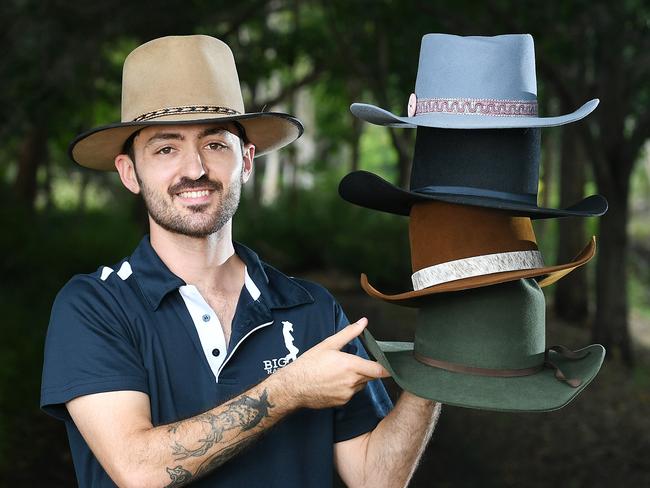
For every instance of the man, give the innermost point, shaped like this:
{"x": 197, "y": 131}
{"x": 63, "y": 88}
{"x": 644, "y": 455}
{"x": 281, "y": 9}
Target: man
{"x": 191, "y": 360}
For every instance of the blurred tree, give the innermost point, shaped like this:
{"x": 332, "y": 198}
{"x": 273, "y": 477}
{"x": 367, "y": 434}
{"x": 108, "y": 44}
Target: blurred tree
{"x": 613, "y": 42}
{"x": 368, "y": 55}
{"x": 587, "y": 49}
{"x": 61, "y": 72}
{"x": 571, "y": 301}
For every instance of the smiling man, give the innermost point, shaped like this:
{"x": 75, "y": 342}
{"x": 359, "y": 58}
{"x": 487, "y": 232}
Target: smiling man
{"x": 191, "y": 361}
{"x": 194, "y": 205}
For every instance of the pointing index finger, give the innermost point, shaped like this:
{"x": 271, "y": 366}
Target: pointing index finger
{"x": 345, "y": 335}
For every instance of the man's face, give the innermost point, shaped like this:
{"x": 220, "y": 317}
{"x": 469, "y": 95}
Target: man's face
{"x": 190, "y": 176}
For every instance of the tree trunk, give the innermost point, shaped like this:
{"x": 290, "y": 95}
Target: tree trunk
{"x": 258, "y": 176}
{"x": 611, "y": 322}
{"x": 270, "y": 183}
{"x": 571, "y": 302}
{"x": 354, "y": 92}
{"x": 47, "y": 184}
{"x": 82, "y": 204}
{"x": 549, "y": 150}
{"x": 32, "y": 152}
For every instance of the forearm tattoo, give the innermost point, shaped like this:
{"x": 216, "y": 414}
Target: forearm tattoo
{"x": 242, "y": 415}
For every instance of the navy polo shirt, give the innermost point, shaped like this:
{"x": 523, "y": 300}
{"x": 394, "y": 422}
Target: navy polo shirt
{"x": 137, "y": 326}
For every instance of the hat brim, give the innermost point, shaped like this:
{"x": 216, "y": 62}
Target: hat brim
{"x": 371, "y": 191}
{"x": 268, "y": 131}
{"x": 539, "y": 392}
{"x": 545, "y": 276}
{"x": 379, "y": 116}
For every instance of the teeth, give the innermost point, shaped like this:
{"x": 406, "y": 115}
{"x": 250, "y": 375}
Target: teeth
{"x": 194, "y": 194}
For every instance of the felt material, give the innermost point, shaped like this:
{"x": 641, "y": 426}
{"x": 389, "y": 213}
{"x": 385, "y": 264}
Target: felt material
{"x": 500, "y": 327}
{"x": 496, "y": 169}
{"x": 499, "y": 160}
{"x": 189, "y": 80}
{"x": 500, "y": 68}
{"x": 438, "y": 233}
{"x": 441, "y": 232}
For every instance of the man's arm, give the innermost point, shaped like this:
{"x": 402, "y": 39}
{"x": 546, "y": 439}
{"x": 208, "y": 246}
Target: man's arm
{"x": 389, "y": 454}
{"x": 117, "y": 425}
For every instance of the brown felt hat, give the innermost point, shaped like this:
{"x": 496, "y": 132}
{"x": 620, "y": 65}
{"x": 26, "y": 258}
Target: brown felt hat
{"x": 181, "y": 80}
{"x": 459, "y": 247}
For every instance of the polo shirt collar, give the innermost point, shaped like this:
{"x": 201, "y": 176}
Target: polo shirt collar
{"x": 153, "y": 276}
{"x": 277, "y": 290}
{"x": 156, "y": 280}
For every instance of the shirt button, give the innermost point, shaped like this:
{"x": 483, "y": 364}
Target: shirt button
{"x": 216, "y": 352}
{"x": 206, "y": 318}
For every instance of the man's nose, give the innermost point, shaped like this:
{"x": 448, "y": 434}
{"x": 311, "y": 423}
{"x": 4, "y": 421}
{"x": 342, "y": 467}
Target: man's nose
{"x": 193, "y": 165}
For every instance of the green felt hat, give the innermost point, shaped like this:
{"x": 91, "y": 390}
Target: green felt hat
{"x": 486, "y": 348}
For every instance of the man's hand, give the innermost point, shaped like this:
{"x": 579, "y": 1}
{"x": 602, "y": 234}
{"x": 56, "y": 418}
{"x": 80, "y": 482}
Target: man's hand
{"x": 324, "y": 376}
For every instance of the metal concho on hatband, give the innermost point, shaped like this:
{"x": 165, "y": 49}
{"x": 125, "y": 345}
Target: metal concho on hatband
{"x": 476, "y": 266}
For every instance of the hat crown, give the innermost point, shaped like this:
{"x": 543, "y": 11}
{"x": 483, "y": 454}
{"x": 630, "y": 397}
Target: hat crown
{"x": 179, "y": 71}
{"x": 499, "y": 67}
{"x": 441, "y": 232}
{"x": 498, "y": 327}
{"x": 501, "y": 164}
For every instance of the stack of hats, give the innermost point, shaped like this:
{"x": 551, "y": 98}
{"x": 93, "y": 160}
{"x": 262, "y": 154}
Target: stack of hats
{"x": 480, "y": 336}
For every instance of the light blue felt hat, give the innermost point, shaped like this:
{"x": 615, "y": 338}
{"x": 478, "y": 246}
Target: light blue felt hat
{"x": 473, "y": 83}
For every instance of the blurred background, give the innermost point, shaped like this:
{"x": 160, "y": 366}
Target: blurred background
{"x": 60, "y": 73}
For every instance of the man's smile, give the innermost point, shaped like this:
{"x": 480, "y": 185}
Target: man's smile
{"x": 194, "y": 196}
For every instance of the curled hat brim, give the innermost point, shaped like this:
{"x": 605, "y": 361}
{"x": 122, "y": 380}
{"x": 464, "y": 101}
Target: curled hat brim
{"x": 268, "y": 131}
{"x": 539, "y": 392}
{"x": 380, "y": 116}
{"x": 544, "y": 276}
{"x": 371, "y": 191}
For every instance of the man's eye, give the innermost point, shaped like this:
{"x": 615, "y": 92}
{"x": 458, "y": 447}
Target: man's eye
{"x": 215, "y": 146}
{"x": 164, "y": 150}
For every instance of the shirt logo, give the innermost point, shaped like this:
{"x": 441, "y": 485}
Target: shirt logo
{"x": 272, "y": 365}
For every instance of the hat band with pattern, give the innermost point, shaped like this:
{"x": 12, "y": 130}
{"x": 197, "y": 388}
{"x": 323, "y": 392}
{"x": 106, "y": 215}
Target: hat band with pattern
{"x": 477, "y": 106}
{"x": 187, "y": 109}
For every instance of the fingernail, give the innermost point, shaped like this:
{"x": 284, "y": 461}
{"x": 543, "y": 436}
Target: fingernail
{"x": 362, "y": 321}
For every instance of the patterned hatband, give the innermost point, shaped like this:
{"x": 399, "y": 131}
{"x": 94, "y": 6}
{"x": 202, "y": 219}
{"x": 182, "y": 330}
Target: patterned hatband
{"x": 188, "y": 109}
{"x": 477, "y": 106}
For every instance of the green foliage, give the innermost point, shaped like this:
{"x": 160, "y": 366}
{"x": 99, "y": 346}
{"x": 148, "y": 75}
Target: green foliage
{"x": 62, "y": 71}
{"x": 315, "y": 229}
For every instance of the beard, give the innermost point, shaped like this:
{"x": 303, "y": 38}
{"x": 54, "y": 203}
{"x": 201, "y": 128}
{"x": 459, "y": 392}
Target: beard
{"x": 200, "y": 222}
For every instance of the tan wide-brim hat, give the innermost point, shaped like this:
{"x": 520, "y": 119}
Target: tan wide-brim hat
{"x": 181, "y": 80}
{"x": 460, "y": 247}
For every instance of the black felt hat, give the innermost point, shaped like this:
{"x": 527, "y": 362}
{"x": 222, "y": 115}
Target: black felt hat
{"x": 494, "y": 168}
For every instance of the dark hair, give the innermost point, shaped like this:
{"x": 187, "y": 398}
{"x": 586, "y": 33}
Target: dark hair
{"x": 127, "y": 148}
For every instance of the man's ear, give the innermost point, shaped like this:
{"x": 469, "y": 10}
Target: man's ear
{"x": 126, "y": 169}
{"x": 247, "y": 160}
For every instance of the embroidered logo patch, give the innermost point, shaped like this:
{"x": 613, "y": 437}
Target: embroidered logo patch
{"x": 272, "y": 365}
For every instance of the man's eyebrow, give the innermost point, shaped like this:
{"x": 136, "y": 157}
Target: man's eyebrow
{"x": 210, "y": 131}
{"x": 164, "y": 136}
